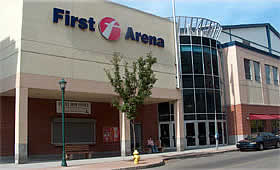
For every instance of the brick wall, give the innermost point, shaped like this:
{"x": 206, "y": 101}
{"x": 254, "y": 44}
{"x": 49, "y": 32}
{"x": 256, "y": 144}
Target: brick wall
{"x": 41, "y": 112}
{"x": 7, "y": 125}
{"x": 238, "y": 117}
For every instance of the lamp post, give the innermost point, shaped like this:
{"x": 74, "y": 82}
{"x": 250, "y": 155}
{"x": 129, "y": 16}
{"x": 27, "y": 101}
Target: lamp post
{"x": 62, "y": 84}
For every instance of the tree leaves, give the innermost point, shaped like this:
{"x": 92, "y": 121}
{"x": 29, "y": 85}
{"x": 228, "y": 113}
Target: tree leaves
{"x": 133, "y": 85}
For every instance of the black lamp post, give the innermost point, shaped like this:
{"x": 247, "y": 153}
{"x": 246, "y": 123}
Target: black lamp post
{"x": 62, "y": 84}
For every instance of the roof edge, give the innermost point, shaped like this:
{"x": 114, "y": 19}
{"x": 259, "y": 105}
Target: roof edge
{"x": 253, "y": 26}
{"x": 236, "y": 43}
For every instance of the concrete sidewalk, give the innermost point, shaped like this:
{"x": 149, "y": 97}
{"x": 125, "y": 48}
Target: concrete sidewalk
{"x": 147, "y": 161}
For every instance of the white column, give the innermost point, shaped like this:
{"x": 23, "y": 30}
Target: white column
{"x": 125, "y": 135}
{"x": 21, "y": 125}
{"x": 179, "y": 125}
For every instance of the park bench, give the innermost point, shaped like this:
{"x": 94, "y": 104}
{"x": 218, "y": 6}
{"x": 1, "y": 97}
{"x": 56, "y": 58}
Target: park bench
{"x": 70, "y": 150}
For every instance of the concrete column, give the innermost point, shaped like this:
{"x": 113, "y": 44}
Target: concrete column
{"x": 21, "y": 125}
{"x": 179, "y": 125}
{"x": 125, "y": 135}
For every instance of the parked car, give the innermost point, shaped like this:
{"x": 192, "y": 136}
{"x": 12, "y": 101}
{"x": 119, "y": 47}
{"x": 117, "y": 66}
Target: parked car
{"x": 259, "y": 141}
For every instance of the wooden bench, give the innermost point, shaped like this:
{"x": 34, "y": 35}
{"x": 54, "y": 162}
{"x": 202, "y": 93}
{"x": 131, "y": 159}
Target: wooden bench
{"x": 77, "y": 149}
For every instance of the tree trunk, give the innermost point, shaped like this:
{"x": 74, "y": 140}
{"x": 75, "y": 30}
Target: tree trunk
{"x": 133, "y": 131}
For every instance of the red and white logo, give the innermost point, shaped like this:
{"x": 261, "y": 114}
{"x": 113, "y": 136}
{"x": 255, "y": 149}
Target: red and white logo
{"x": 110, "y": 28}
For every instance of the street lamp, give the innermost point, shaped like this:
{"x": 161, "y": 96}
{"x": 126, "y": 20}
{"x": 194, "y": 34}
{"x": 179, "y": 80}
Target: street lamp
{"x": 62, "y": 84}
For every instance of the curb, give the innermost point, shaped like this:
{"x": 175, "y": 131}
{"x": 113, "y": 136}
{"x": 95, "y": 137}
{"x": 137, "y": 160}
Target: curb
{"x": 183, "y": 156}
{"x": 161, "y": 163}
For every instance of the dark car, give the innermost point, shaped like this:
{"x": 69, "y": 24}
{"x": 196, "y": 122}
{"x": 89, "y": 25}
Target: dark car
{"x": 259, "y": 141}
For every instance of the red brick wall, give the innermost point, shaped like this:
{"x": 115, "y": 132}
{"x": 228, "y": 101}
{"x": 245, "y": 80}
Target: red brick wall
{"x": 7, "y": 125}
{"x": 41, "y": 112}
{"x": 238, "y": 122}
{"x": 148, "y": 117}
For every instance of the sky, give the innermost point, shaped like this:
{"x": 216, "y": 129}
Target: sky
{"x": 225, "y": 12}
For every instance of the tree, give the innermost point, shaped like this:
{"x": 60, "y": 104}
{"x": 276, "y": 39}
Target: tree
{"x": 133, "y": 85}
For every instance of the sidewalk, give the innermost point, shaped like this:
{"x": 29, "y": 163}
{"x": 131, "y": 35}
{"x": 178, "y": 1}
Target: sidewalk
{"x": 119, "y": 163}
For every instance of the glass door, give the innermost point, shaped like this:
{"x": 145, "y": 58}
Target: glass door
{"x": 202, "y": 133}
{"x": 212, "y": 133}
{"x": 190, "y": 134}
{"x": 165, "y": 135}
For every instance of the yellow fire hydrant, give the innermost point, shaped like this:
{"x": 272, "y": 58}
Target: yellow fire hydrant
{"x": 136, "y": 157}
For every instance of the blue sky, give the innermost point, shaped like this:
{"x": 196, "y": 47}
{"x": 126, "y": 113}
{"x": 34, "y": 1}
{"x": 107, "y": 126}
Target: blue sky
{"x": 223, "y": 11}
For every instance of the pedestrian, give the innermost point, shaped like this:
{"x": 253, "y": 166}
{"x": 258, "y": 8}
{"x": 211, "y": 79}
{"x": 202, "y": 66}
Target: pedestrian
{"x": 152, "y": 145}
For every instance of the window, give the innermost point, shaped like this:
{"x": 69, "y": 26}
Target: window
{"x": 207, "y": 60}
{"x": 275, "y": 75}
{"x": 215, "y": 62}
{"x": 210, "y": 101}
{"x": 187, "y": 81}
{"x": 73, "y": 129}
{"x": 267, "y": 74}
{"x": 257, "y": 126}
{"x": 257, "y": 71}
{"x": 200, "y": 101}
{"x": 197, "y": 60}
{"x": 185, "y": 40}
{"x": 247, "y": 67}
{"x": 186, "y": 59}
{"x": 199, "y": 81}
{"x": 188, "y": 96}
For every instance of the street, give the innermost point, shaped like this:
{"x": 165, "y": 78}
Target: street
{"x": 267, "y": 159}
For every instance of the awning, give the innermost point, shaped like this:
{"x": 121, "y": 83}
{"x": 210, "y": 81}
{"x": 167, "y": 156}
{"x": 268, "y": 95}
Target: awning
{"x": 264, "y": 117}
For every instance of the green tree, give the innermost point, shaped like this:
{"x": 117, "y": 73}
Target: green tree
{"x": 133, "y": 85}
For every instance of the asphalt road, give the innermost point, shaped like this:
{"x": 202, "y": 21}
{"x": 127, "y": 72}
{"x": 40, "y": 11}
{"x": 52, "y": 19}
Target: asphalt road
{"x": 267, "y": 159}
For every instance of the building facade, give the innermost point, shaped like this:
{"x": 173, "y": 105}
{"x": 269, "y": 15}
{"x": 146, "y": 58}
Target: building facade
{"x": 225, "y": 86}
{"x": 251, "y": 61}
{"x": 50, "y": 40}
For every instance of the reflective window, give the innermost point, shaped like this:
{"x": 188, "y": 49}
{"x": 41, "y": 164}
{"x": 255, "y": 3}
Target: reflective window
{"x": 188, "y": 97}
{"x": 185, "y": 40}
{"x": 267, "y": 73}
{"x": 218, "y": 102}
{"x": 196, "y": 40}
{"x": 186, "y": 59}
{"x": 257, "y": 71}
{"x": 206, "y": 41}
{"x": 197, "y": 60}
{"x": 200, "y": 101}
{"x": 209, "y": 82}
{"x": 215, "y": 62}
{"x": 213, "y": 43}
{"x": 187, "y": 81}
{"x": 207, "y": 60}
{"x": 199, "y": 81}
{"x": 275, "y": 75}
{"x": 217, "y": 83}
{"x": 210, "y": 101}
{"x": 247, "y": 67}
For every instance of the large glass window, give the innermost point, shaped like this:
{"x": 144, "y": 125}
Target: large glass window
{"x": 197, "y": 60}
{"x": 215, "y": 62}
{"x": 207, "y": 60}
{"x": 205, "y": 41}
{"x": 196, "y": 40}
{"x": 186, "y": 59}
{"x": 199, "y": 81}
{"x": 188, "y": 96}
{"x": 275, "y": 75}
{"x": 209, "y": 82}
{"x": 185, "y": 40}
{"x": 257, "y": 126}
{"x": 247, "y": 68}
{"x": 187, "y": 81}
{"x": 257, "y": 71}
{"x": 267, "y": 74}
{"x": 210, "y": 101}
{"x": 200, "y": 101}
{"x": 218, "y": 102}
{"x": 166, "y": 112}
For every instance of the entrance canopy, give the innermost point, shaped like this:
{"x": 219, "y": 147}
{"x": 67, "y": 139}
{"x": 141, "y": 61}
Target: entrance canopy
{"x": 264, "y": 117}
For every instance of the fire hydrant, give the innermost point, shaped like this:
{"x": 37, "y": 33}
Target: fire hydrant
{"x": 136, "y": 157}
